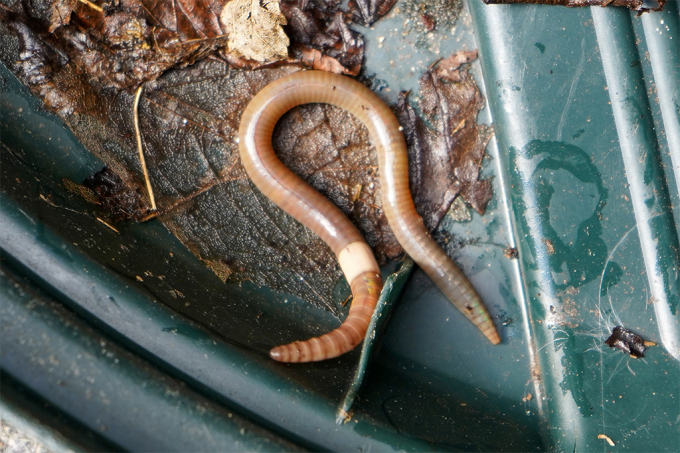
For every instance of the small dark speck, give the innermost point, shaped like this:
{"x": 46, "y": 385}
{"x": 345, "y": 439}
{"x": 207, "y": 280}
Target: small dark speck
{"x": 552, "y": 310}
{"x": 516, "y": 88}
{"x": 333, "y": 88}
{"x": 540, "y": 47}
{"x": 635, "y": 63}
{"x": 578, "y": 133}
{"x": 551, "y": 71}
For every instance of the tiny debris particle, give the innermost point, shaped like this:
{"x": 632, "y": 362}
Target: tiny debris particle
{"x": 609, "y": 441}
{"x": 356, "y": 192}
{"x": 549, "y": 246}
{"x": 511, "y": 253}
{"x": 625, "y": 340}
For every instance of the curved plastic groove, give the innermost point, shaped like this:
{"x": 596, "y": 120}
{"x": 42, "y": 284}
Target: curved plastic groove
{"x": 662, "y": 33}
{"x": 647, "y": 183}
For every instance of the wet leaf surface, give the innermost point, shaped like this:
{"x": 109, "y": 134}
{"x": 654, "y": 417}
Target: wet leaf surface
{"x": 189, "y": 118}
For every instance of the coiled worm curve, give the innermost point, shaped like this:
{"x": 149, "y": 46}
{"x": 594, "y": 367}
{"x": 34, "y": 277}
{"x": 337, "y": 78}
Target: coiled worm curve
{"x": 322, "y": 217}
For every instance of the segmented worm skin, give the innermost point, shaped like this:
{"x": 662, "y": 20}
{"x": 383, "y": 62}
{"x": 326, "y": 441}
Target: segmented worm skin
{"x": 322, "y": 217}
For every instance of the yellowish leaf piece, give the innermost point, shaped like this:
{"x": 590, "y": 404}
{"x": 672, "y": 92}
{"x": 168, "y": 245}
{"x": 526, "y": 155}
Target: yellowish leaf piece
{"x": 220, "y": 269}
{"x": 254, "y": 29}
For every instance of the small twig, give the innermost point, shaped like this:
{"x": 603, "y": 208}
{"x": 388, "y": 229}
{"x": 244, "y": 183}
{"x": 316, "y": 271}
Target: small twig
{"x": 92, "y": 5}
{"x": 435, "y": 63}
{"x": 214, "y": 38}
{"x": 135, "y": 111}
{"x": 108, "y": 225}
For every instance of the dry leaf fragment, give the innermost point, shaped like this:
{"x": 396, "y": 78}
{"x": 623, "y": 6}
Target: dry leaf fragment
{"x": 61, "y": 13}
{"x": 254, "y": 29}
{"x": 317, "y": 60}
{"x": 445, "y": 159}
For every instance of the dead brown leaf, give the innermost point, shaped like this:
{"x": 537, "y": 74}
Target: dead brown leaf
{"x": 445, "y": 160}
{"x": 321, "y": 36}
{"x": 366, "y": 12}
{"x": 128, "y": 42}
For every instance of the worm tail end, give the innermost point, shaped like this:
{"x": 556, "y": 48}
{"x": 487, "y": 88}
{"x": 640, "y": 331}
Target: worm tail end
{"x": 365, "y": 290}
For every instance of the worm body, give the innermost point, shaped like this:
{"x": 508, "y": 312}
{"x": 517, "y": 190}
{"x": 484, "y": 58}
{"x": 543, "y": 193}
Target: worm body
{"x": 318, "y": 214}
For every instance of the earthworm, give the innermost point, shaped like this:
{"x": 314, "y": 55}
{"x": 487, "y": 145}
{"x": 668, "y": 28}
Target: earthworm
{"x": 318, "y": 214}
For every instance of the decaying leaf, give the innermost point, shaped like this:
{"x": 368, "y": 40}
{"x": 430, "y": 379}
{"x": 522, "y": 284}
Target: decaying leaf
{"x": 254, "y": 29}
{"x": 119, "y": 200}
{"x": 368, "y": 11}
{"x": 445, "y": 160}
{"x": 320, "y": 36}
{"x": 189, "y": 119}
{"x": 125, "y": 43}
{"x": 316, "y": 59}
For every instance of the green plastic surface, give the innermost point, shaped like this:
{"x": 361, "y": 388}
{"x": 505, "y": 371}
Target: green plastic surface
{"x": 584, "y": 105}
{"x": 583, "y": 154}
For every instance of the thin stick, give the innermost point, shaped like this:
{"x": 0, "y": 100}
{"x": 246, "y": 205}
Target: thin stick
{"x": 135, "y": 111}
{"x": 92, "y": 5}
{"x": 108, "y": 225}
